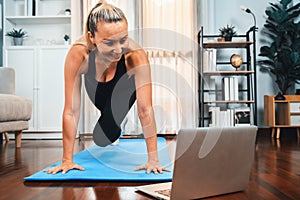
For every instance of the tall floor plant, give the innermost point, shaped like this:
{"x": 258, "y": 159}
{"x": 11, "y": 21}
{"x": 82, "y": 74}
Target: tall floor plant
{"x": 281, "y": 52}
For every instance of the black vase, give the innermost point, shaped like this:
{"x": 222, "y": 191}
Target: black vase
{"x": 279, "y": 96}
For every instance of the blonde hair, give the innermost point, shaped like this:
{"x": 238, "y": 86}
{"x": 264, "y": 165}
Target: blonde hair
{"x": 102, "y": 12}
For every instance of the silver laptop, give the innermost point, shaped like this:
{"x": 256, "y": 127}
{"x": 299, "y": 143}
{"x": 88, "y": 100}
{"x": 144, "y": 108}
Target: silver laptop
{"x": 208, "y": 162}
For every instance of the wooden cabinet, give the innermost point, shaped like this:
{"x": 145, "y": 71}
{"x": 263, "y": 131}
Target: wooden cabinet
{"x": 282, "y": 113}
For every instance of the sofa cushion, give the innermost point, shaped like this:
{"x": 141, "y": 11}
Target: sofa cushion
{"x": 13, "y": 126}
{"x": 14, "y": 108}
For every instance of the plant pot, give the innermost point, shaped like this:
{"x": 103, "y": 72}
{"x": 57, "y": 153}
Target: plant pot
{"x": 18, "y": 41}
{"x": 228, "y": 38}
{"x": 279, "y": 96}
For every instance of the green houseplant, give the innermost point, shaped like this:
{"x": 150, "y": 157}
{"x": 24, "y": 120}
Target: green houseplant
{"x": 281, "y": 52}
{"x": 227, "y": 32}
{"x": 17, "y": 35}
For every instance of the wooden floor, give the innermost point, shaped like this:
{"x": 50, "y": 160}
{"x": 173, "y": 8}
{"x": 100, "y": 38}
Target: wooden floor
{"x": 275, "y": 172}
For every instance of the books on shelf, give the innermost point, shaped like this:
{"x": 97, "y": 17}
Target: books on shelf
{"x": 240, "y": 116}
{"x": 221, "y": 118}
{"x": 209, "y": 60}
{"x": 230, "y": 88}
{"x": 31, "y": 7}
{"x": 226, "y": 91}
{"x": 209, "y": 85}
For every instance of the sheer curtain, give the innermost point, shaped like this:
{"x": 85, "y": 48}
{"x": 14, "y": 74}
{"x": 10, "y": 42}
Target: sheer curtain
{"x": 206, "y": 15}
{"x": 168, "y": 37}
{"x": 168, "y": 30}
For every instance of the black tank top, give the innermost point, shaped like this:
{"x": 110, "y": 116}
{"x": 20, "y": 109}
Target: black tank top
{"x": 113, "y": 98}
{"x": 120, "y": 86}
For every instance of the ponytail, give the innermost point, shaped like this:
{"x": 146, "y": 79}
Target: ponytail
{"x": 102, "y": 12}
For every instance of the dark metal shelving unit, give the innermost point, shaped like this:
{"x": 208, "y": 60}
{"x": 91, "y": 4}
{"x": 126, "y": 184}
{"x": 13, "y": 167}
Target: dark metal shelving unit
{"x": 249, "y": 44}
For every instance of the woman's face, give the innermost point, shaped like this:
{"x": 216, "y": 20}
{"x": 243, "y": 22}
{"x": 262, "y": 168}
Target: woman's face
{"x": 111, "y": 39}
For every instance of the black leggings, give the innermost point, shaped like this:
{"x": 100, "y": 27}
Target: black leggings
{"x": 107, "y": 130}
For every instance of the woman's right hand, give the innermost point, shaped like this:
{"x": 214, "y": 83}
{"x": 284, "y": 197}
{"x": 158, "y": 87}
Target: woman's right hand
{"x": 64, "y": 168}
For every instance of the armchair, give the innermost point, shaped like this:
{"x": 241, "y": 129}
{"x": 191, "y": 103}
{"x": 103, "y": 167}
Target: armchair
{"x": 15, "y": 111}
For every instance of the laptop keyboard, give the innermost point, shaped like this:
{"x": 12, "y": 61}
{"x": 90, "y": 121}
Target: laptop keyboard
{"x": 166, "y": 192}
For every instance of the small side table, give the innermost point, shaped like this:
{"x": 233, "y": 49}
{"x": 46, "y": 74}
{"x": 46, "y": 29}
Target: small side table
{"x": 282, "y": 113}
{"x": 276, "y": 130}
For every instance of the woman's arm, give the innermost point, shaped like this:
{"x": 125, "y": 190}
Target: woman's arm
{"x": 71, "y": 112}
{"x": 138, "y": 62}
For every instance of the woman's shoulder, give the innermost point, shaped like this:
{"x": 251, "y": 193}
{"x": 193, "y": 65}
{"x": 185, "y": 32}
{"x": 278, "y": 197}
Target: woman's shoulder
{"x": 78, "y": 51}
{"x": 77, "y": 57}
{"x": 136, "y": 55}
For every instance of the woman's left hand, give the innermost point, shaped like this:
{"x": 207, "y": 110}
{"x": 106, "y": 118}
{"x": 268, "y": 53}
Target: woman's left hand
{"x": 152, "y": 166}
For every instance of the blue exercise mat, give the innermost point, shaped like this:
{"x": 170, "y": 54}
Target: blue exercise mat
{"x": 112, "y": 163}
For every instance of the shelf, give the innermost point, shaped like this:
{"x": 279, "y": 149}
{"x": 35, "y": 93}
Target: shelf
{"x": 232, "y": 73}
{"x": 295, "y": 113}
{"x": 54, "y": 46}
{"x": 288, "y": 98}
{"x": 228, "y": 63}
{"x": 227, "y": 44}
{"x": 225, "y": 102}
{"x": 237, "y": 84}
{"x": 59, "y": 19}
{"x": 285, "y": 126}
{"x": 281, "y": 101}
{"x": 219, "y": 91}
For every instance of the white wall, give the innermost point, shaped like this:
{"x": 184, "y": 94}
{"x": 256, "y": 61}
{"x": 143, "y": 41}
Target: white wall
{"x": 218, "y": 13}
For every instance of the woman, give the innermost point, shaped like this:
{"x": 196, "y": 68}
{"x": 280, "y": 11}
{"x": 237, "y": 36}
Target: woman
{"x": 117, "y": 73}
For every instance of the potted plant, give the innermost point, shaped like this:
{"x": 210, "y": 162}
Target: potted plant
{"x": 227, "y": 32}
{"x": 17, "y": 35}
{"x": 281, "y": 51}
